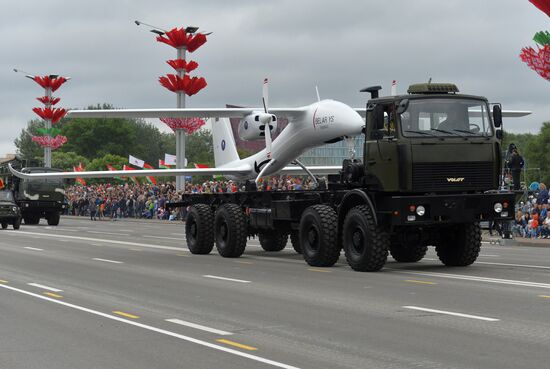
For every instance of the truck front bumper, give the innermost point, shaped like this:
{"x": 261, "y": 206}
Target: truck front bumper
{"x": 455, "y": 208}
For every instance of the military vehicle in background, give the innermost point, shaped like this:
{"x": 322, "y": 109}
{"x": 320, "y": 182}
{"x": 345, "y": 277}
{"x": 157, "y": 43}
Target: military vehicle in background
{"x": 37, "y": 198}
{"x": 9, "y": 211}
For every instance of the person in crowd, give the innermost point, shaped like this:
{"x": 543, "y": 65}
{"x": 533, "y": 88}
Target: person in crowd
{"x": 93, "y": 208}
{"x": 515, "y": 163}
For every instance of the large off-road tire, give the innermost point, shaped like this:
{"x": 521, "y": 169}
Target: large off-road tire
{"x": 408, "y": 253}
{"x": 17, "y": 223}
{"x": 199, "y": 229}
{"x": 273, "y": 240}
{"x": 460, "y": 245}
{"x": 365, "y": 244}
{"x": 231, "y": 230}
{"x": 295, "y": 241}
{"x": 32, "y": 219}
{"x": 4, "y": 225}
{"x": 319, "y": 236}
{"x": 53, "y": 218}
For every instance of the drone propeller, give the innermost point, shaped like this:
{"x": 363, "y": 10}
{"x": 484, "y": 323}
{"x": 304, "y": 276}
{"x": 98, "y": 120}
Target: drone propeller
{"x": 266, "y": 119}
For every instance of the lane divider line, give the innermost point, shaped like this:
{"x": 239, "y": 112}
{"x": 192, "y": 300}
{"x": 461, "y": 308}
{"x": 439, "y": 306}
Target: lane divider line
{"x": 53, "y": 295}
{"x": 502, "y": 264}
{"x": 110, "y": 233}
{"x": 419, "y": 282}
{"x": 319, "y": 270}
{"x": 544, "y": 296}
{"x": 165, "y": 238}
{"x": 452, "y": 313}
{"x": 122, "y": 313}
{"x": 243, "y": 262}
{"x": 226, "y": 279}
{"x": 3, "y": 281}
{"x": 236, "y": 344}
{"x": 108, "y": 261}
{"x": 45, "y": 287}
{"x": 33, "y": 248}
{"x": 200, "y": 327}
{"x": 154, "y": 329}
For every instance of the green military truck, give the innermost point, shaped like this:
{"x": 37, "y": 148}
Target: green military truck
{"x": 37, "y": 198}
{"x": 429, "y": 174}
{"x": 9, "y": 211}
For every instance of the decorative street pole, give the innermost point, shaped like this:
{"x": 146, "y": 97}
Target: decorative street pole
{"x": 51, "y": 139}
{"x": 183, "y": 40}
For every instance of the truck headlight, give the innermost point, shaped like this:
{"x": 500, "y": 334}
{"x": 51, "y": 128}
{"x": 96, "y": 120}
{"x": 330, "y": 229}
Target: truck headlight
{"x": 14, "y": 208}
{"x": 420, "y": 210}
{"x": 498, "y": 207}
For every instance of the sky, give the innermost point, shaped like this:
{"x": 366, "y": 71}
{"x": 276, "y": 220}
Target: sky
{"x": 339, "y": 46}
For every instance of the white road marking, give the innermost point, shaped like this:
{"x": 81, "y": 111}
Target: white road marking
{"x": 164, "y": 238}
{"x": 96, "y": 244}
{"x": 33, "y": 248}
{"x": 452, "y": 313}
{"x": 154, "y": 329}
{"x": 477, "y": 279}
{"x": 45, "y": 287}
{"x": 68, "y": 230}
{"x": 104, "y": 240}
{"x": 108, "y": 261}
{"x": 506, "y": 264}
{"x": 225, "y": 279}
{"x": 198, "y": 326}
{"x": 490, "y": 255}
{"x": 127, "y": 230}
{"x": 110, "y": 233}
{"x": 177, "y": 234}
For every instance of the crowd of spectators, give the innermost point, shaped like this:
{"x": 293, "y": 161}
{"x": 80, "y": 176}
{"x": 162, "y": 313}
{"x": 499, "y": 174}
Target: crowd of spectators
{"x": 532, "y": 218}
{"x": 132, "y": 200}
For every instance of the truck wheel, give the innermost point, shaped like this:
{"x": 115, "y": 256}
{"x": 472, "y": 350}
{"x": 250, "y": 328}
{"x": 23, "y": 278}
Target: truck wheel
{"x": 231, "y": 230}
{"x": 199, "y": 232}
{"x": 295, "y": 240}
{"x": 16, "y": 223}
{"x": 32, "y": 219}
{"x": 319, "y": 236}
{"x": 273, "y": 241}
{"x": 365, "y": 245}
{"x": 408, "y": 253}
{"x": 4, "y": 225}
{"x": 52, "y": 218}
{"x": 461, "y": 245}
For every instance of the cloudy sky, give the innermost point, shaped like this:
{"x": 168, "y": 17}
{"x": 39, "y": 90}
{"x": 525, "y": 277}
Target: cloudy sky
{"x": 341, "y": 46}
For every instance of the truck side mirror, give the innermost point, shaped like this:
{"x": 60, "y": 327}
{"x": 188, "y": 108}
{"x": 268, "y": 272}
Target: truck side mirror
{"x": 497, "y": 116}
{"x": 499, "y": 134}
{"x": 378, "y": 117}
{"x": 403, "y": 105}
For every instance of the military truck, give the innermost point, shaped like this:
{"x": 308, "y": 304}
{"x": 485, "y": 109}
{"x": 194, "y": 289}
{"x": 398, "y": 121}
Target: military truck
{"x": 428, "y": 176}
{"x": 37, "y": 198}
{"x": 9, "y": 211}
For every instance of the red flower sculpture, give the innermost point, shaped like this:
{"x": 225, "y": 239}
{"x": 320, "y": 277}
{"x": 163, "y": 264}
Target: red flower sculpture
{"x": 48, "y": 100}
{"x": 186, "y": 84}
{"x": 539, "y": 61}
{"x": 47, "y": 141}
{"x": 47, "y": 82}
{"x": 189, "y": 125}
{"x": 177, "y": 38}
{"x": 181, "y": 64}
{"x": 543, "y": 5}
{"x": 54, "y": 114}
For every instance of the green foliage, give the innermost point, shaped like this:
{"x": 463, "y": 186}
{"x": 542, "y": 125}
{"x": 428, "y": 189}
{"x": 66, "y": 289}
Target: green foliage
{"x": 25, "y": 147}
{"x": 542, "y": 38}
{"x": 101, "y": 163}
{"x": 244, "y": 153}
{"x": 198, "y": 148}
{"x": 67, "y": 160}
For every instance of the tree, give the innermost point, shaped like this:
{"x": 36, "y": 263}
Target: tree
{"x": 67, "y": 160}
{"x": 28, "y": 149}
{"x": 199, "y": 148}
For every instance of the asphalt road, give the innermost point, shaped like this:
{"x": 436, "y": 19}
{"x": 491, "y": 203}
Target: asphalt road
{"x": 129, "y": 294}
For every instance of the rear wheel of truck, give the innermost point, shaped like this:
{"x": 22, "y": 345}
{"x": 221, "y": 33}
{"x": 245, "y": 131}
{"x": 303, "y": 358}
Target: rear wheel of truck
{"x": 53, "y": 218}
{"x": 365, "y": 244}
{"x": 231, "y": 230}
{"x": 32, "y": 219}
{"x": 319, "y": 236}
{"x": 408, "y": 246}
{"x": 295, "y": 241}
{"x": 273, "y": 240}
{"x": 460, "y": 245}
{"x": 4, "y": 225}
{"x": 16, "y": 223}
{"x": 199, "y": 229}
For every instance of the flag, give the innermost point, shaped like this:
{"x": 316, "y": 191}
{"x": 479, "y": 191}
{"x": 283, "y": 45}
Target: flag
{"x": 169, "y": 159}
{"x": 1, "y": 183}
{"x": 150, "y": 179}
{"x": 126, "y": 167}
{"x": 80, "y": 168}
{"x": 135, "y": 161}
{"x": 163, "y": 165}
{"x": 199, "y": 166}
{"x": 111, "y": 168}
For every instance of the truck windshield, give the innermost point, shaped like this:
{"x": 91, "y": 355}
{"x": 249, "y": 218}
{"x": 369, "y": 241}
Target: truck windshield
{"x": 446, "y": 117}
{"x": 6, "y": 196}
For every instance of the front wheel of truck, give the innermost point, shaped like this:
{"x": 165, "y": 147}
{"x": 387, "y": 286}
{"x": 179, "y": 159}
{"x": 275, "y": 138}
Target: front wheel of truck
{"x": 460, "y": 245}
